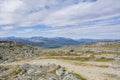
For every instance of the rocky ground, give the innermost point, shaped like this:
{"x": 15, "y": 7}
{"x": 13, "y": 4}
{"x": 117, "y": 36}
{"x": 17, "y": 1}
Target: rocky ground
{"x": 27, "y": 71}
{"x": 84, "y": 70}
{"x": 93, "y": 61}
{"x": 12, "y": 51}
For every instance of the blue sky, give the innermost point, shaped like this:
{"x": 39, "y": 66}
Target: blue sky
{"x": 98, "y": 19}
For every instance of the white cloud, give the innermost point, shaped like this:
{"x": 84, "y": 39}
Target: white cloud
{"x": 88, "y": 32}
{"x": 2, "y": 33}
{"x": 83, "y": 12}
{"x": 7, "y": 28}
{"x": 25, "y": 31}
{"x": 70, "y": 15}
{"x": 8, "y": 10}
{"x": 10, "y": 5}
{"x": 55, "y": 12}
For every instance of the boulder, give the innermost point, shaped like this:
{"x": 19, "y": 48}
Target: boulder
{"x": 42, "y": 78}
{"x": 25, "y": 67}
{"x": 31, "y": 71}
{"x": 60, "y": 71}
{"x": 70, "y": 77}
{"x": 22, "y": 78}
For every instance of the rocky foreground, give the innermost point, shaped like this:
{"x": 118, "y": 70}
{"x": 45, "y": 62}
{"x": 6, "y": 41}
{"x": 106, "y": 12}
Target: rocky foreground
{"x": 85, "y": 70}
{"x": 36, "y": 72}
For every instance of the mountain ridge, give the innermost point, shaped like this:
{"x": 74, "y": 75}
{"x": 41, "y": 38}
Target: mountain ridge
{"x": 54, "y": 42}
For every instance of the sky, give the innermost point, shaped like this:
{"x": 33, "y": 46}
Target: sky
{"x": 97, "y": 19}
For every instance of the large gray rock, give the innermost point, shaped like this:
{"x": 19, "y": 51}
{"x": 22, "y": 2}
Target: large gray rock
{"x": 42, "y": 78}
{"x": 117, "y": 58}
{"x": 53, "y": 78}
{"x": 2, "y": 69}
{"x": 70, "y": 77}
{"x": 60, "y": 71}
{"x": 22, "y": 78}
{"x": 31, "y": 71}
{"x": 25, "y": 67}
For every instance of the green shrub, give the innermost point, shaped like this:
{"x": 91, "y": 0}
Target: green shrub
{"x": 79, "y": 76}
{"x": 17, "y": 71}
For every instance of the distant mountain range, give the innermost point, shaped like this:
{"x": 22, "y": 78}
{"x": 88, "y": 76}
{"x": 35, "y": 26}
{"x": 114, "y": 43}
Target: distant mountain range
{"x": 52, "y": 42}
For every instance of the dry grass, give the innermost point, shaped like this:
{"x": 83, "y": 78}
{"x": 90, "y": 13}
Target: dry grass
{"x": 79, "y": 76}
{"x": 103, "y": 59}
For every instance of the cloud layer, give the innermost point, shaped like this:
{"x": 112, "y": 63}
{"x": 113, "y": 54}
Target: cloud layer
{"x": 41, "y": 17}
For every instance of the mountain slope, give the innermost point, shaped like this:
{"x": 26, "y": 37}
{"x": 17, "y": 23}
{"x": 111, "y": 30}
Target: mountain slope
{"x": 53, "y": 42}
{"x": 43, "y": 42}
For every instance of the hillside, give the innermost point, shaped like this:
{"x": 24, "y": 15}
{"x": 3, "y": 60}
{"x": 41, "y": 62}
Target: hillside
{"x": 11, "y": 51}
{"x": 96, "y": 47}
{"x": 19, "y": 61}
